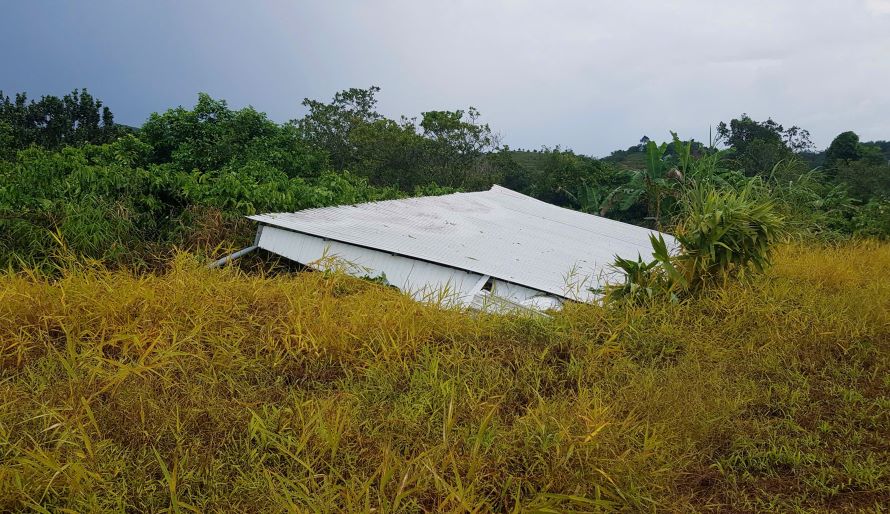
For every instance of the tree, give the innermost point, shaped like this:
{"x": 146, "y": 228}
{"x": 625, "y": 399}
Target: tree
{"x": 446, "y": 147}
{"x": 8, "y": 145}
{"x": 329, "y": 126}
{"x": 882, "y": 146}
{"x": 844, "y": 147}
{"x": 456, "y": 141}
{"x": 52, "y": 122}
{"x": 742, "y": 131}
{"x": 389, "y": 152}
{"x": 863, "y": 179}
{"x": 759, "y": 145}
{"x": 861, "y": 168}
{"x": 212, "y": 136}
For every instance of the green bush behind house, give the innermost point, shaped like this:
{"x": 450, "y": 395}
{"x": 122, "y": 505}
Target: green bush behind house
{"x": 72, "y": 180}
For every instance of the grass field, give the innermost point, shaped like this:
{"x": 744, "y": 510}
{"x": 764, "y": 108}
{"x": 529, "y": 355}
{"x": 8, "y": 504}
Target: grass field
{"x": 216, "y": 390}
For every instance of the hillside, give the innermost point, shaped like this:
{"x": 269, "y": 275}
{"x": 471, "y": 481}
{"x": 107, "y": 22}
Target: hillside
{"x": 212, "y": 390}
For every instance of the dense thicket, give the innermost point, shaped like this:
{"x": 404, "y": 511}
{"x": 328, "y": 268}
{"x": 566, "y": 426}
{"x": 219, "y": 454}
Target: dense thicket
{"x": 217, "y": 390}
{"x": 70, "y": 177}
{"x": 691, "y": 387}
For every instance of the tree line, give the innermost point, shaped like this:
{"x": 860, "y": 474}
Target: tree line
{"x": 72, "y": 179}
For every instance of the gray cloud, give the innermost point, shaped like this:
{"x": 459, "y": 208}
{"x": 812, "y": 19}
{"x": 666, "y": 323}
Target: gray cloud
{"x": 593, "y": 76}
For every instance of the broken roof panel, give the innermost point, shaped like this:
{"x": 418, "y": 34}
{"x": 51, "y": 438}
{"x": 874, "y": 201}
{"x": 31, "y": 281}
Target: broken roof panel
{"x": 499, "y": 232}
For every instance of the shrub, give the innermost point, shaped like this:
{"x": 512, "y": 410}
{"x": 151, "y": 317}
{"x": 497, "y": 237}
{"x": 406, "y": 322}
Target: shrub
{"x": 723, "y": 233}
{"x": 812, "y": 206}
{"x": 873, "y": 219}
{"x": 104, "y": 204}
{"x": 726, "y": 231}
{"x": 643, "y": 280}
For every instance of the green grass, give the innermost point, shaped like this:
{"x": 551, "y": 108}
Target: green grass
{"x": 218, "y": 390}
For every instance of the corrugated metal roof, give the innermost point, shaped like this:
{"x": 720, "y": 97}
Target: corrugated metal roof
{"x": 499, "y": 232}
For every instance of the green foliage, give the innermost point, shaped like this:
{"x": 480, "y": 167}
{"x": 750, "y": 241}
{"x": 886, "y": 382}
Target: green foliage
{"x": 873, "y": 219}
{"x": 642, "y": 280}
{"x": 8, "y": 145}
{"x": 211, "y": 137}
{"x": 559, "y": 176}
{"x": 845, "y": 147}
{"x": 99, "y": 203}
{"x": 645, "y": 281}
{"x": 80, "y": 194}
{"x": 862, "y": 168}
{"x": 883, "y": 147}
{"x": 455, "y": 142}
{"x": 758, "y": 146}
{"x": 723, "y": 233}
{"x": 635, "y": 156}
{"x": 656, "y": 185}
{"x": 388, "y": 152}
{"x": 72, "y": 178}
{"x": 726, "y": 232}
{"x": 863, "y": 179}
{"x": 743, "y": 131}
{"x": 447, "y": 148}
{"x": 330, "y": 126}
{"x": 812, "y": 204}
{"x": 712, "y": 167}
{"x": 53, "y": 122}
{"x": 434, "y": 190}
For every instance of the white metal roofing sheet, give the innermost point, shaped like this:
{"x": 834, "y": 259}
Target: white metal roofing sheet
{"x": 498, "y": 232}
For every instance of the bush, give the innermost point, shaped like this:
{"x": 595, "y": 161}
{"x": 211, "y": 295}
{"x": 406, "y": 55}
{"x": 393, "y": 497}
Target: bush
{"x": 873, "y": 219}
{"x": 726, "y": 231}
{"x": 812, "y": 205}
{"x": 723, "y": 233}
{"x": 864, "y": 179}
{"x": 100, "y": 203}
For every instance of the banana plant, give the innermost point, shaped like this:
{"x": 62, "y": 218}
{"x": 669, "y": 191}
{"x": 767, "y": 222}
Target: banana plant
{"x": 653, "y": 185}
{"x": 588, "y": 198}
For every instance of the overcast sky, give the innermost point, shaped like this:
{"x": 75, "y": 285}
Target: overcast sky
{"x": 588, "y": 75}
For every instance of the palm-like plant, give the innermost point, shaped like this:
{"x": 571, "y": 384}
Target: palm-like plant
{"x": 654, "y": 184}
{"x": 646, "y": 280}
{"x": 726, "y": 231}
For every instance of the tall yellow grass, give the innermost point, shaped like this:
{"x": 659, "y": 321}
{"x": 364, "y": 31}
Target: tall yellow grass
{"x": 205, "y": 390}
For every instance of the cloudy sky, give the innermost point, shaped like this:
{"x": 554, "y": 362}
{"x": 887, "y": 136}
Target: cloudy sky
{"x": 588, "y": 75}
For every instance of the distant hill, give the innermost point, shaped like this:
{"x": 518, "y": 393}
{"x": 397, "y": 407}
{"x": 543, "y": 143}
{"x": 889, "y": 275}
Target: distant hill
{"x": 631, "y": 159}
{"x": 532, "y": 161}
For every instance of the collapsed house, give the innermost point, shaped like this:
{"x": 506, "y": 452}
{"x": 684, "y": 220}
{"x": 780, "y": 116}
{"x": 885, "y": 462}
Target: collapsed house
{"x": 495, "y": 249}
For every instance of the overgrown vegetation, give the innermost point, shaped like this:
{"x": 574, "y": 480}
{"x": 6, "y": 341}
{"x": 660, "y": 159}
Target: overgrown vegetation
{"x": 746, "y": 371}
{"x": 212, "y": 390}
{"x": 724, "y": 233}
{"x": 128, "y": 195}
